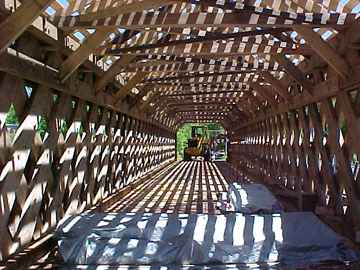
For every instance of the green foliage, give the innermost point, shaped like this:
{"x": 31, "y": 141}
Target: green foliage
{"x": 11, "y": 118}
{"x": 184, "y": 133}
{"x": 64, "y": 127}
{"x": 42, "y": 126}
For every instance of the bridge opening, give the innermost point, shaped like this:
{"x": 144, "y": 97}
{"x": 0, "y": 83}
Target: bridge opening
{"x": 201, "y": 140}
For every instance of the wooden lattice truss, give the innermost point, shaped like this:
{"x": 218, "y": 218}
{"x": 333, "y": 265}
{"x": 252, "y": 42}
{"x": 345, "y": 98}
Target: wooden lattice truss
{"x": 187, "y": 60}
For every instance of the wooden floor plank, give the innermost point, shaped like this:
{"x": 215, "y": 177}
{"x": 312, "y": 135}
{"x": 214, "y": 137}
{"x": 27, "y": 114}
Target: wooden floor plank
{"x": 118, "y": 202}
{"x": 186, "y": 187}
{"x": 164, "y": 194}
{"x": 170, "y": 202}
{"x": 142, "y": 201}
{"x": 134, "y": 197}
{"x": 209, "y": 193}
{"x": 184, "y": 191}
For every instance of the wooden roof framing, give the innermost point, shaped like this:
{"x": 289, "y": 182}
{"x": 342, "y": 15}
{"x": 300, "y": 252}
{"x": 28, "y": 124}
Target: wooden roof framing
{"x": 197, "y": 49}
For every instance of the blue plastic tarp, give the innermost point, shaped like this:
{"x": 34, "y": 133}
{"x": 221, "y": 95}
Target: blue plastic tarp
{"x": 292, "y": 239}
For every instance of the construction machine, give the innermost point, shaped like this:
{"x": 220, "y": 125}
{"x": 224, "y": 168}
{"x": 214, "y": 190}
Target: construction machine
{"x": 198, "y": 144}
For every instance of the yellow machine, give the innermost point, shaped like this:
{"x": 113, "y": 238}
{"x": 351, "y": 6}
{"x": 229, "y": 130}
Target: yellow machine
{"x": 198, "y": 144}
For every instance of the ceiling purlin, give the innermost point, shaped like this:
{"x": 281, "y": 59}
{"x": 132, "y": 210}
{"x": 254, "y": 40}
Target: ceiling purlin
{"x": 209, "y": 37}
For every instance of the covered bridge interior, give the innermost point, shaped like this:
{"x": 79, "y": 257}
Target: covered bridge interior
{"x": 99, "y": 88}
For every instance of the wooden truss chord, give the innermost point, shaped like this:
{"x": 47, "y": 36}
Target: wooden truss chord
{"x": 123, "y": 91}
{"x": 114, "y": 70}
{"x": 324, "y": 50}
{"x": 124, "y": 9}
{"x": 237, "y": 39}
{"x": 208, "y": 77}
{"x": 276, "y": 85}
{"x": 15, "y": 24}
{"x": 201, "y": 93}
{"x": 185, "y": 67}
{"x": 294, "y": 72}
{"x": 81, "y": 54}
{"x": 264, "y": 92}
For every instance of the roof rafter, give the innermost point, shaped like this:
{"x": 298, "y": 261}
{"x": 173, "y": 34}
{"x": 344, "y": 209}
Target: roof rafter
{"x": 15, "y": 24}
{"x": 123, "y": 9}
{"x": 264, "y": 92}
{"x": 114, "y": 70}
{"x": 324, "y": 50}
{"x": 276, "y": 85}
{"x": 123, "y": 91}
{"x": 294, "y": 72}
{"x": 108, "y": 49}
{"x": 70, "y": 65}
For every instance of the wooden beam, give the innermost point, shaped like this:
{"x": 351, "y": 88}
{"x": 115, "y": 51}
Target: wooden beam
{"x": 145, "y": 105}
{"x": 324, "y": 50}
{"x": 294, "y": 72}
{"x": 208, "y": 37}
{"x": 81, "y": 54}
{"x": 239, "y": 18}
{"x": 114, "y": 70}
{"x": 276, "y": 84}
{"x": 124, "y": 9}
{"x": 136, "y": 79}
{"x": 199, "y": 104}
{"x": 139, "y": 97}
{"x": 264, "y": 92}
{"x": 187, "y": 85}
{"x": 202, "y": 75}
{"x": 207, "y": 49}
{"x": 201, "y": 93}
{"x": 22, "y": 18}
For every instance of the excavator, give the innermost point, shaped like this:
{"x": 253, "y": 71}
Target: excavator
{"x": 198, "y": 144}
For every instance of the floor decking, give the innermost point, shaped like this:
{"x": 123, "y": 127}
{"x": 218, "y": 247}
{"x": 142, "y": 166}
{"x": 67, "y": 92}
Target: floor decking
{"x": 184, "y": 187}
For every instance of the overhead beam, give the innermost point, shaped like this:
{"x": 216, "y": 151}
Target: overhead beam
{"x": 136, "y": 79}
{"x": 207, "y": 49}
{"x": 199, "y": 104}
{"x": 238, "y": 18}
{"x": 201, "y": 93}
{"x": 208, "y": 37}
{"x": 276, "y": 85}
{"x": 124, "y": 9}
{"x": 294, "y": 72}
{"x": 188, "y": 87}
{"x": 14, "y": 25}
{"x": 205, "y": 52}
{"x": 202, "y": 75}
{"x": 264, "y": 93}
{"x": 81, "y": 54}
{"x": 186, "y": 67}
{"x": 145, "y": 105}
{"x": 139, "y": 97}
{"x": 324, "y": 50}
{"x": 114, "y": 70}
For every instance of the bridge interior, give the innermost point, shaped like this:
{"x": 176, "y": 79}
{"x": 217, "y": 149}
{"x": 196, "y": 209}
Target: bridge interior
{"x": 93, "y": 92}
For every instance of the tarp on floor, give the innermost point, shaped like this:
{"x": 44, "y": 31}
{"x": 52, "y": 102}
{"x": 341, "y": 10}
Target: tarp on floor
{"x": 252, "y": 199}
{"x": 294, "y": 239}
